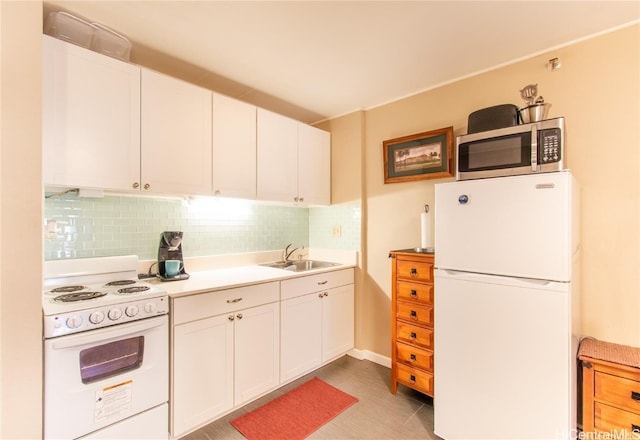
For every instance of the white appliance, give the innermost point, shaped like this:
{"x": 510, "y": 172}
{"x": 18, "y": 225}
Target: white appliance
{"x": 506, "y": 307}
{"x": 106, "y": 351}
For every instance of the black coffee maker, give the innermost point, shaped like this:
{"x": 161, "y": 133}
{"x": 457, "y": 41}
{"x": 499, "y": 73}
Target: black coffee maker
{"x": 170, "y": 248}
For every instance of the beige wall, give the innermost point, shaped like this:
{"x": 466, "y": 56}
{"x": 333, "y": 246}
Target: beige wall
{"x": 20, "y": 220}
{"x": 597, "y": 90}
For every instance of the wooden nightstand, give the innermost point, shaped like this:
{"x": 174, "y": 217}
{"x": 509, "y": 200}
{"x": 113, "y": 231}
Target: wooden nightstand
{"x": 610, "y": 388}
{"x": 412, "y": 321}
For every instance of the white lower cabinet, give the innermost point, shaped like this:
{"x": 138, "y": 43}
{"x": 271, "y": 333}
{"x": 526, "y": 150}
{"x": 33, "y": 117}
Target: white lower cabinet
{"x": 257, "y": 360}
{"x": 301, "y": 336}
{"x": 337, "y": 322}
{"x": 231, "y": 346}
{"x": 317, "y": 319}
{"x": 202, "y": 372}
{"x": 222, "y": 361}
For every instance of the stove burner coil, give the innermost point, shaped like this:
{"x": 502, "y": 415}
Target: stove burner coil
{"x": 67, "y": 289}
{"x": 120, "y": 283}
{"x": 134, "y": 289}
{"x": 78, "y": 296}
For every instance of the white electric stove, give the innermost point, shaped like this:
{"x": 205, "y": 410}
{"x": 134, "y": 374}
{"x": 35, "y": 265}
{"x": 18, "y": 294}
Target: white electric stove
{"x": 106, "y": 351}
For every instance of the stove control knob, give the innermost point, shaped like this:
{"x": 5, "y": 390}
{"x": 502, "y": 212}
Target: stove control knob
{"x": 96, "y": 317}
{"x": 150, "y": 307}
{"x": 114, "y": 314}
{"x": 131, "y": 311}
{"x": 74, "y": 321}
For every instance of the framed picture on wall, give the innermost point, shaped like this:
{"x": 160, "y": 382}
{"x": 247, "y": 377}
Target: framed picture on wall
{"x": 427, "y": 155}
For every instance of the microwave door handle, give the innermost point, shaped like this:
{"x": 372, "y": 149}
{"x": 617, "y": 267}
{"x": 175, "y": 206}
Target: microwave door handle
{"x": 534, "y": 149}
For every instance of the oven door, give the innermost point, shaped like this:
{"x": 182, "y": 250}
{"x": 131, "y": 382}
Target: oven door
{"x": 99, "y": 377}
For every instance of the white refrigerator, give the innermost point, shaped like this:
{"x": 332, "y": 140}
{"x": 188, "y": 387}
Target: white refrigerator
{"x": 507, "y": 315}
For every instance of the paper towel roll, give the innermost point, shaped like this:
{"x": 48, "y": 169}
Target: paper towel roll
{"x": 425, "y": 230}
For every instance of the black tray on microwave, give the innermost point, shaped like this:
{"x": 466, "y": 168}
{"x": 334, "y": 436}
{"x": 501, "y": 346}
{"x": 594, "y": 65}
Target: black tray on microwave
{"x": 490, "y": 118}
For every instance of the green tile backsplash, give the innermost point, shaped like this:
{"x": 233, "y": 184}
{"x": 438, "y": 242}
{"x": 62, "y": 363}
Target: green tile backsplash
{"x": 99, "y": 227}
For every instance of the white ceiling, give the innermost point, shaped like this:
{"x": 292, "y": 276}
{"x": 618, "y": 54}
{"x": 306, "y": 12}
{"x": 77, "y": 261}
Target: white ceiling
{"x": 328, "y": 58}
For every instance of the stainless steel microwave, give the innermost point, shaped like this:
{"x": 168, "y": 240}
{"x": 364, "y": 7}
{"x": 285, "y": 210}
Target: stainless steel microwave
{"x": 537, "y": 147}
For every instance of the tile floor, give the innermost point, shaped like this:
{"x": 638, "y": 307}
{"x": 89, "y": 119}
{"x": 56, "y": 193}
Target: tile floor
{"x": 377, "y": 415}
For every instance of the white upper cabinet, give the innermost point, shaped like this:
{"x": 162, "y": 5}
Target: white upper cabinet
{"x": 111, "y": 125}
{"x": 91, "y": 118}
{"x": 176, "y": 136}
{"x": 314, "y": 165}
{"x": 277, "y": 157}
{"x": 294, "y": 161}
{"x": 234, "y": 148}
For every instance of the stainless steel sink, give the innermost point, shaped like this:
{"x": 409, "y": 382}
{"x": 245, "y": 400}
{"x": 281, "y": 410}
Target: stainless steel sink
{"x": 300, "y": 265}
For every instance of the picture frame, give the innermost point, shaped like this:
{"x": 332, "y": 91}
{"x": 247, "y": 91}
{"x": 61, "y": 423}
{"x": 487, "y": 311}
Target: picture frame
{"x": 421, "y": 156}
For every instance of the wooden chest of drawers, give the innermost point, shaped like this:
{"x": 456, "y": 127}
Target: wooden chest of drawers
{"x": 412, "y": 321}
{"x": 610, "y": 389}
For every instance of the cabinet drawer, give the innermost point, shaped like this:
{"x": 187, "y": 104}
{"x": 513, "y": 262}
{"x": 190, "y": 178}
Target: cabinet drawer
{"x": 415, "y": 292}
{"x": 415, "y": 270}
{"x": 417, "y": 313}
{"x": 315, "y": 283}
{"x": 414, "y": 335}
{"x": 619, "y": 391}
{"x": 414, "y": 356}
{"x": 608, "y": 418}
{"x": 204, "y": 305}
{"x": 416, "y": 379}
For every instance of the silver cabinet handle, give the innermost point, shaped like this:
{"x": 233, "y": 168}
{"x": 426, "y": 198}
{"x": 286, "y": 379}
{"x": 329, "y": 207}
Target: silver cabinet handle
{"x": 136, "y": 185}
{"x": 235, "y": 300}
{"x": 231, "y": 317}
{"x": 321, "y": 283}
{"x": 239, "y": 316}
{"x": 147, "y": 186}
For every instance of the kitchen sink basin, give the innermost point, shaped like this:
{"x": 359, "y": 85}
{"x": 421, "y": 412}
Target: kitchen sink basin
{"x": 300, "y": 265}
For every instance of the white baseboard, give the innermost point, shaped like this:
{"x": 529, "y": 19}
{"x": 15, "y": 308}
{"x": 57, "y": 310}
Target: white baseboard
{"x": 370, "y": 356}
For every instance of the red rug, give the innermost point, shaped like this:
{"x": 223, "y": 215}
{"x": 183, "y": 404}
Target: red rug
{"x": 296, "y": 414}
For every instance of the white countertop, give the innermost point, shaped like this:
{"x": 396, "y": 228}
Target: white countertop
{"x": 226, "y": 278}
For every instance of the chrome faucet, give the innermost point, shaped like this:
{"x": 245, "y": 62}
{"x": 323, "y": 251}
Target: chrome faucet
{"x": 286, "y": 253}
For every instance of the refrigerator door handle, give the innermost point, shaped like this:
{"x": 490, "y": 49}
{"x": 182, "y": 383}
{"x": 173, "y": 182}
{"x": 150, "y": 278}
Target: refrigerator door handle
{"x": 497, "y": 279}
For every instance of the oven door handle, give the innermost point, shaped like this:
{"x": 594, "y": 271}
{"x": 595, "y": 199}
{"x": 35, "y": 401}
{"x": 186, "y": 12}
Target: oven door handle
{"x": 107, "y": 333}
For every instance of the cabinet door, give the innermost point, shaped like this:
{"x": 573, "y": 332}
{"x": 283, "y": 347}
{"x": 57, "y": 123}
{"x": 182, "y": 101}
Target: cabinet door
{"x": 300, "y": 335}
{"x": 202, "y": 372}
{"x": 91, "y": 118}
{"x": 234, "y": 148}
{"x": 257, "y": 351}
{"x": 314, "y": 165}
{"x": 337, "y": 322}
{"x": 176, "y": 136}
{"x": 277, "y": 157}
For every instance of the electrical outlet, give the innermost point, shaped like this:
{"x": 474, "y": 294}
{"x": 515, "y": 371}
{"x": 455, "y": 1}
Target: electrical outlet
{"x": 50, "y": 229}
{"x": 336, "y": 231}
